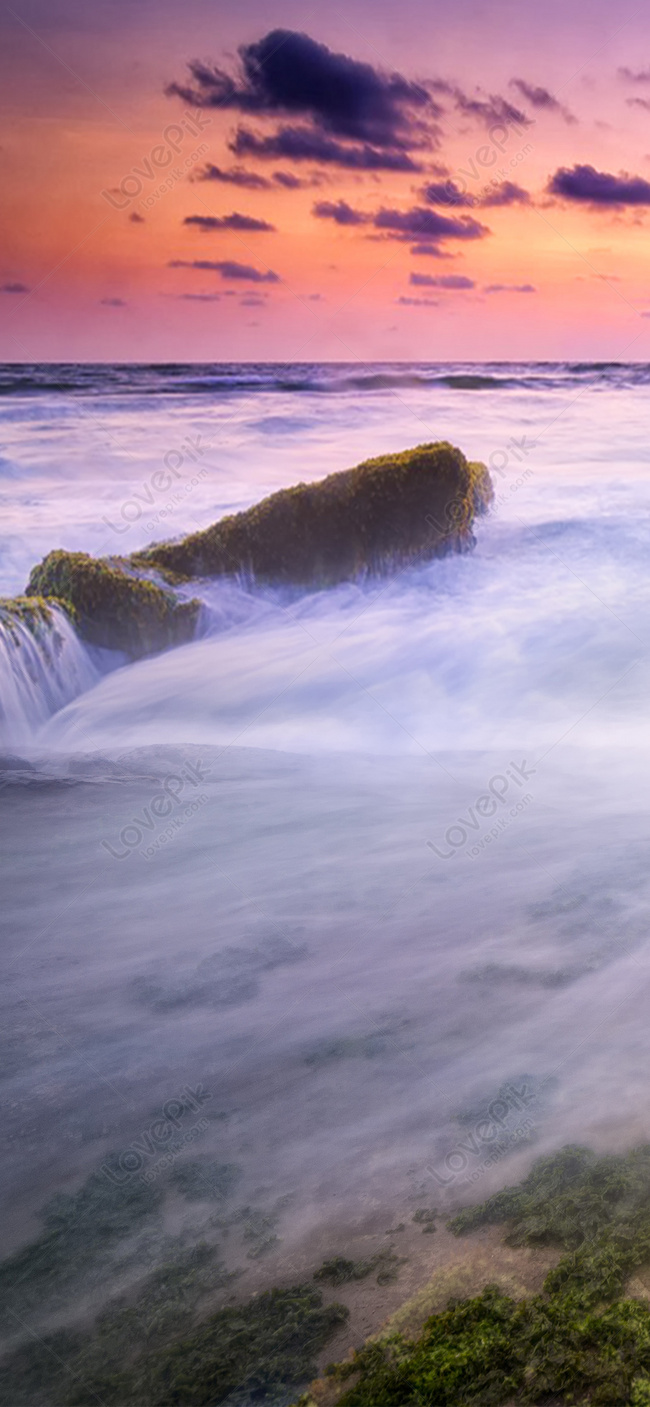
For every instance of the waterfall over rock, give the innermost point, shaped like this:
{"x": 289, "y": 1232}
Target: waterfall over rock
{"x": 43, "y": 665}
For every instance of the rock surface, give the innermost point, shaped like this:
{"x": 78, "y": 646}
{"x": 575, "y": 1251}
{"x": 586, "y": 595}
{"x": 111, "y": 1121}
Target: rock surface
{"x": 373, "y": 519}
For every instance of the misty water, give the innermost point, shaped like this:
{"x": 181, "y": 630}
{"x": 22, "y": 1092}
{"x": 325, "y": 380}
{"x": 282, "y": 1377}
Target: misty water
{"x": 365, "y": 871}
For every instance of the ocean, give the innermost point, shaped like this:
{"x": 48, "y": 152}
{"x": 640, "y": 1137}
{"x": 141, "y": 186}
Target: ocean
{"x": 389, "y": 924}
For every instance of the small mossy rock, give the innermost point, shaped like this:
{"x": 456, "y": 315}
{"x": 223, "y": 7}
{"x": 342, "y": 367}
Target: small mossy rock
{"x": 376, "y": 518}
{"x": 34, "y": 612}
{"x": 113, "y": 609}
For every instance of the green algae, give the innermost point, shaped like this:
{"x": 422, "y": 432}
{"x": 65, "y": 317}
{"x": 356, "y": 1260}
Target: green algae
{"x": 67, "y": 1367}
{"x": 80, "y": 1232}
{"x": 426, "y": 1218}
{"x": 491, "y": 1350}
{"x": 580, "y": 1341}
{"x": 260, "y": 1348}
{"x": 340, "y": 1271}
{"x": 112, "y": 608}
{"x": 375, "y": 518}
{"x": 201, "y": 1180}
{"x": 260, "y": 1351}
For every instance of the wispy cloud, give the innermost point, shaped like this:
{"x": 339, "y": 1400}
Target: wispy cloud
{"x": 246, "y": 223}
{"x": 541, "y": 99}
{"x": 228, "y": 268}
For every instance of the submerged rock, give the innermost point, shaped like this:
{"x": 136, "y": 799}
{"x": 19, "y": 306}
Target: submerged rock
{"x": 374, "y": 519}
{"x": 112, "y": 608}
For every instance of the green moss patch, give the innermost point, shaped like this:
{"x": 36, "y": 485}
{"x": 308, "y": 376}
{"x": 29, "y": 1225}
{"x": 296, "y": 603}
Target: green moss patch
{"x": 34, "y": 612}
{"x": 80, "y": 1231}
{"x": 426, "y": 1218}
{"x": 258, "y": 1348}
{"x": 201, "y": 1180}
{"x": 113, "y": 609}
{"x": 339, "y": 1271}
{"x": 578, "y": 1342}
{"x": 492, "y": 1350}
{"x": 383, "y": 514}
{"x": 146, "y": 1351}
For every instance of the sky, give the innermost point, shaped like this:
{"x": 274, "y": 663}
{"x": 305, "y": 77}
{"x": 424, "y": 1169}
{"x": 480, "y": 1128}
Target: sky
{"x": 200, "y": 181}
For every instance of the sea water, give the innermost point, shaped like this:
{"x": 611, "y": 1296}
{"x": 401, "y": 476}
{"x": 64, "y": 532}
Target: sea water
{"x": 364, "y": 870}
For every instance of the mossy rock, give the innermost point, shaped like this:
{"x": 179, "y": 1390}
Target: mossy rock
{"x": 113, "y": 609}
{"x": 33, "y": 612}
{"x": 376, "y": 518}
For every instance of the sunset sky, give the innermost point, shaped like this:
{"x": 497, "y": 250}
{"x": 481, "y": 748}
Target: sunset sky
{"x": 362, "y": 181}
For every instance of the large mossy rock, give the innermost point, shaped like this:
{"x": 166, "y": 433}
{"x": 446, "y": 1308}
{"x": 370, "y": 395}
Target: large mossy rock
{"x": 373, "y": 519}
{"x": 112, "y": 608}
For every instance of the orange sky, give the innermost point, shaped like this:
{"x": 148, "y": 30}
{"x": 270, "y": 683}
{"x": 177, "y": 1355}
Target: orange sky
{"x": 85, "y": 110}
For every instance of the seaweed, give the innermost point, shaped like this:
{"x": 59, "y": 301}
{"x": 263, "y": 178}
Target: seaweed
{"x": 340, "y": 1271}
{"x": 80, "y": 1229}
{"x": 491, "y": 1349}
{"x": 201, "y": 1180}
{"x": 568, "y": 1197}
{"x": 579, "y": 1341}
{"x": 426, "y": 1218}
{"x": 259, "y": 1348}
{"x": 111, "y": 608}
{"x": 76, "y": 1368}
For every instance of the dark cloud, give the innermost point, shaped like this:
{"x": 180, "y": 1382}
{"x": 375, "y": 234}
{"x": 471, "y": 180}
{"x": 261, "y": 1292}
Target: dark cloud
{"x": 250, "y": 180}
{"x": 453, "y": 281}
{"x": 423, "y": 224}
{"x": 236, "y": 176}
{"x": 492, "y": 111}
{"x": 417, "y": 302}
{"x": 289, "y": 182}
{"x": 418, "y": 223}
{"x": 640, "y": 75}
{"x": 14, "y": 288}
{"x": 288, "y": 72}
{"x": 228, "y": 268}
{"x": 541, "y": 98}
{"x": 432, "y": 250}
{"x": 340, "y": 212}
{"x": 228, "y": 222}
{"x": 584, "y": 183}
{"x": 507, "y": 193}
{"x": 199, "y": 297}
{"x": 252, "y": 302}
{"x": 136, "y": 219}
{"x": 112, "y": 302}
{"x": 639, "y": 102}
{"x": 509, "y": 288}
{"x": 448, "y": 193}
{"x": 306, "y": 144}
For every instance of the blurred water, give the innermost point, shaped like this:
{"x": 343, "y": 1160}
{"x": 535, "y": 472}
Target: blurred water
{"x": 361, "y": 862}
